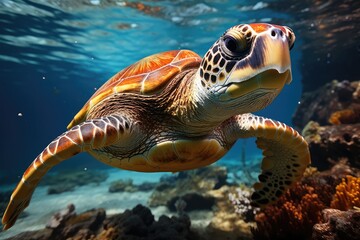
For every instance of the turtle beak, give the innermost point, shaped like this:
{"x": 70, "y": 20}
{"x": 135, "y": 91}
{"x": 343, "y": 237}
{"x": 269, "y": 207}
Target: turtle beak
{"x": 266, "y": 68}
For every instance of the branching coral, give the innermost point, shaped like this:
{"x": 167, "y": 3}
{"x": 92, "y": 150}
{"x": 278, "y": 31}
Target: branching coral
{"x": 300, "y": 208}
{"x": 293, "y": 215}
{"x": 242, "y": 204}
{"x": 347, "y": 194}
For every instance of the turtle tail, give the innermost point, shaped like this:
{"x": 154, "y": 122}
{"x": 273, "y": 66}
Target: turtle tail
{"x": 88, "y": 135}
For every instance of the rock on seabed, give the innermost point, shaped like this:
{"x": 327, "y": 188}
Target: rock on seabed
{"x": 338, "y": 225}
{"x": 135, "y": 224}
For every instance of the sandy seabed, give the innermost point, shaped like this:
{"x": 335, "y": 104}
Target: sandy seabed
{"x": 43, "y": 206}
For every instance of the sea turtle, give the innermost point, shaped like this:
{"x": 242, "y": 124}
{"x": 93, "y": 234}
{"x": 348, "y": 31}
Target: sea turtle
{"x": 174, "y": 111}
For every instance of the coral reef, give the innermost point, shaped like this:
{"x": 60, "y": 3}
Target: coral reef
{"x": 295, "y": 214}
{"x": 127, "y": 185}
{"x": 191, "y": 186}
{"x": 333, "y": 143}
{"x": 67, "y": 181}
{"x": 292, "y": 217}
{"x": 193, "y": 201}
{"x": 226, "y": 223}
{"x": 82, "y": 226}
{"x": 242, "y": 203}
{"x": 139, "y": 223}
{"x": 346, "y": 116}
{"x": 330, "y": 118}
{"x": 347, "y": 194}
{"x": 135, "y": 224}
{"x": 335, "y": 102}
{"x": 203, "y": 189}
{"x": 338, "y": 225}
{"x": 122, "y": 186}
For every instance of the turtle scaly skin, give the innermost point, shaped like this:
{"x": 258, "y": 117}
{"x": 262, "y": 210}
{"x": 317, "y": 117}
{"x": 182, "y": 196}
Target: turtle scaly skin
{"x": 175, "y": 111}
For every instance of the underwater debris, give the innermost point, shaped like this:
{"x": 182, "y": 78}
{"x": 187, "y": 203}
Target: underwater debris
{"x": 338, "y": 225}
{"x": 347, "y": 194}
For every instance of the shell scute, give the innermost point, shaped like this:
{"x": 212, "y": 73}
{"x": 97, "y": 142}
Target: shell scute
{"x": 148, "y": 76}
{"x": 158, "y": 79}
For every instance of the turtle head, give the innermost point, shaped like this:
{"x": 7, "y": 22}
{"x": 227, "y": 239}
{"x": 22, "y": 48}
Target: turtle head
{"x": 247, "y": 66}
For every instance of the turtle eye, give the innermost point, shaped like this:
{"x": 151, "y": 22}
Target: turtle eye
{"x": 234, "y": 45}
{"x": 230, "y": 43}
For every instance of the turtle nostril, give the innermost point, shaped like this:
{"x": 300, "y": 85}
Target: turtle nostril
{"x": 277, "y": 32}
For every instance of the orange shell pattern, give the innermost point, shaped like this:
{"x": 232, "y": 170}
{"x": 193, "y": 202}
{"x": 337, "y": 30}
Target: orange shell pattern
{"x": 147, "y": 76}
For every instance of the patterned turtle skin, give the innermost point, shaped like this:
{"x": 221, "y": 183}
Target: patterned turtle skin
{"x": 176, "y": 111}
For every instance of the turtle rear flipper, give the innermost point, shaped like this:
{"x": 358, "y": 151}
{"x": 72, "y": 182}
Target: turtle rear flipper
{"x": 286, "y": 154}
{"x": 92, "y": 134}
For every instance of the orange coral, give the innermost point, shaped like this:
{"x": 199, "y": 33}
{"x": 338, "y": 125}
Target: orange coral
{"x": 347, "y": 194}
{"x": 293, "y": 215}
{"x": 344, "y": 117}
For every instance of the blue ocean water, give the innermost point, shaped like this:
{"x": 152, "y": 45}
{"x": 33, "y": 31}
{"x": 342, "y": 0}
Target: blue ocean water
{"x": 55, "y": 54}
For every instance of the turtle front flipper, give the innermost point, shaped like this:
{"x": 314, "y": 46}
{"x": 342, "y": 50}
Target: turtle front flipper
{"x": 286, "y": 154}
{"x": 88, "y": 135}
